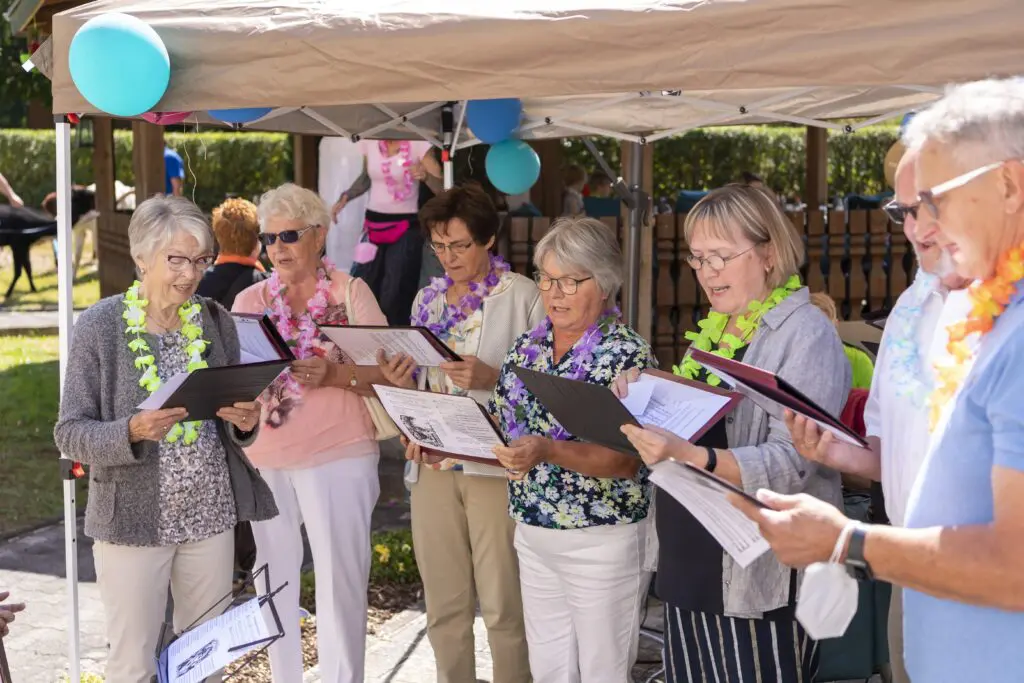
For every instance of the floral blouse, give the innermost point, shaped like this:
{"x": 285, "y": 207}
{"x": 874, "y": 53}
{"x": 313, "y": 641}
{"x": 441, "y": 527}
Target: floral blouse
{"x": 550, "y": 496}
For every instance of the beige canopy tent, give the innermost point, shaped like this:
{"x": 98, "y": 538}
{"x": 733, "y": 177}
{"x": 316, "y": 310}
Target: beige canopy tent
{"x": 637, "y": 70}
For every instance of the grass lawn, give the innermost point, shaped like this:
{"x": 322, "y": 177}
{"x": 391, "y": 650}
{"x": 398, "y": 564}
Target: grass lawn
{"x": 44, "y": 270}
{"x": 30, "y": 485}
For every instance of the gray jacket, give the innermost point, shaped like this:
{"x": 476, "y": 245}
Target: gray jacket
{"x": 101, "y": 392}
{"x": 799, "y": 344}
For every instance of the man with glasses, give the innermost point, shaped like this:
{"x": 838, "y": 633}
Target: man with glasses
{"x": 960, "y": 556}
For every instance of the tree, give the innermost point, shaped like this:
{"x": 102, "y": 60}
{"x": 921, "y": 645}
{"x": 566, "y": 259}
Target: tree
{"x": 17, "y": 88}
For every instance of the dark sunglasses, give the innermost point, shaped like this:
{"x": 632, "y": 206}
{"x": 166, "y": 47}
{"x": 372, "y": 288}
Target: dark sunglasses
{"x": 898, "y": 213}
{"x": 286, "y": 236}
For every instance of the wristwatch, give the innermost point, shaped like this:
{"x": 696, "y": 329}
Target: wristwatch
{"x": 855, "y": 562}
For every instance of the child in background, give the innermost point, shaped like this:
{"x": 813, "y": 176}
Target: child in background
{"x": 572, "y": 195}
{"x": 600, "y": 185}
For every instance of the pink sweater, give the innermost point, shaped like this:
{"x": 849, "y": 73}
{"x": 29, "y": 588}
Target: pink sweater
{"x": 330, "y": 423}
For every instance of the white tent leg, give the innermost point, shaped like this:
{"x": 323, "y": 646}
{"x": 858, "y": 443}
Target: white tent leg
{"x": 448, "y": 144}
{"x": 631, "y": 295}
{"x": 65, "y": 321}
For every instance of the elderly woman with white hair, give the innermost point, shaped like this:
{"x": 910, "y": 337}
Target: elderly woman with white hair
{"x": 317, "y": 447}
{"x": 580, "y": 509}
{"x": 165, "y": 492}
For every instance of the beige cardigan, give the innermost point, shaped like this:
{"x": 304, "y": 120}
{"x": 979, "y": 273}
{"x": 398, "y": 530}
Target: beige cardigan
{"x": 508, "y": 313}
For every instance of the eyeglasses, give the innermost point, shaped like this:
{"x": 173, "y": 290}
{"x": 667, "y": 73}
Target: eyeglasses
{"x": 286, "y": 236}
{"x": 456, "y": 248}
{"x": 714, "y": 261}
{"x": 180, "y": 263}
{"x": 898, "y": 213}
{"x": 567, "y": 285}
{"x": 930, "y": 197}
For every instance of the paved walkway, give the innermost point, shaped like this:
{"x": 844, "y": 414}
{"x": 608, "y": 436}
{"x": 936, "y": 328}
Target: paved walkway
{"x": 20, "y": 322}
{"x": 32, "y": 567}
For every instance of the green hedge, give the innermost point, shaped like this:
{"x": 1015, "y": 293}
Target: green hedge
{"x": 711, "y": 157}
{"x": 247, "y": 164}
{"x": 216, "y": 163}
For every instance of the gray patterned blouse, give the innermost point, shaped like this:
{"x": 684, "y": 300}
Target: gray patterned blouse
{"x": 196, "y": 501}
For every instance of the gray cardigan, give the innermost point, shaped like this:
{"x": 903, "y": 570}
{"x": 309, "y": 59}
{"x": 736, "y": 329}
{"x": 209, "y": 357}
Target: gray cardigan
{"x": 799, "y": 344}
{"x": 101, "y": 392}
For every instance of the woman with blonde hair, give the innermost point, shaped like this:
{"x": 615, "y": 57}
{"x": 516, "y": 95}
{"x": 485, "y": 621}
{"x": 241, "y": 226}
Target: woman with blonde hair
{"x": 723, "y": 620}
{"x": 317, "y": 447}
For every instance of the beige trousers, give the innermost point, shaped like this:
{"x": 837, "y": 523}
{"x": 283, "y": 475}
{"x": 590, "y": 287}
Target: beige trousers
{"x": 133, "y": 588}
{"x": 899, "y": 670}
{"x": 463, "y": 539}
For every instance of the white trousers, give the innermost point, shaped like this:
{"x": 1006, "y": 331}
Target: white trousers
{"x": 582, "y": 594}
{"x": 335, "y": 502}
{"x": 133, "y": 587}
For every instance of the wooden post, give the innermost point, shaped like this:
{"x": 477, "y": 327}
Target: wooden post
{"x": 148, "y": 160}
{"x": 816, "y": 185}
{"x": 646, "y": 280}
{"x": 546, "y": 194}
{"x": 306, "y": 156}
{"x": 106, "y": 204}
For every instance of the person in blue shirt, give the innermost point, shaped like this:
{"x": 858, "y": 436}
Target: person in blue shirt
{"x": 960, "y": 558}
{"x": 174, "y": 172}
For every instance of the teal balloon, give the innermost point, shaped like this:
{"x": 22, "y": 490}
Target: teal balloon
{"x": 119, "y": 64}
{"x": 512, "y": 166}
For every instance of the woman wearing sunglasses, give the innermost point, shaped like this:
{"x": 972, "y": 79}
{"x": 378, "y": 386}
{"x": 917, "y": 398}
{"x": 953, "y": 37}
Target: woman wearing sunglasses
{"x": 460, "y": 522}
{"x": 317, "y": 448}
{"x": 719, "y": 616}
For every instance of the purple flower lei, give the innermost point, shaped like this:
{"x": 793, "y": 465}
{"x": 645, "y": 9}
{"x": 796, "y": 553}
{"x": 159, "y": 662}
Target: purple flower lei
{"x": 468, "y": 305}
{"x": 581, "y": 356}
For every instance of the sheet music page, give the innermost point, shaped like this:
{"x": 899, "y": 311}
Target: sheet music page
{"x": 205, "y": 649}
{"x": 776, "y": 409}
{"x": 157, "y": 399}
{"x": 737, "y": 535}
{"x": 362, "y": 344}
{"x": 441, "y": 422}
{"x": 681, "y": 409}
{"x": 253, "y": 340}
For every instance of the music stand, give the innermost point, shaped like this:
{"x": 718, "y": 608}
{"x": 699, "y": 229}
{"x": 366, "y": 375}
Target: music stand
{"x": 167, "y": 635}
{"x": 5, "y": 668}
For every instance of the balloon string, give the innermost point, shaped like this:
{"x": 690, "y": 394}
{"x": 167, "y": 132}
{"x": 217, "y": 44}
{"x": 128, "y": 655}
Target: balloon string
{"x": 188, "y": 158}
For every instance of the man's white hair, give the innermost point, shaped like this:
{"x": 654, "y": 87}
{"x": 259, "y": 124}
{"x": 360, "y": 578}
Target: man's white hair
{"x": 982, "y": 121}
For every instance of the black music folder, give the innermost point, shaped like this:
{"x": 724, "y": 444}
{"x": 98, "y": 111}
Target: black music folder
{"x": 205, "y": 391}
{"x": 774, "y": 394}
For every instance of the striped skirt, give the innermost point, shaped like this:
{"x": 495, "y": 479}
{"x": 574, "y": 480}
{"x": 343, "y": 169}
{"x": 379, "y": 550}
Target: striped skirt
{"x": 711, "y": 648}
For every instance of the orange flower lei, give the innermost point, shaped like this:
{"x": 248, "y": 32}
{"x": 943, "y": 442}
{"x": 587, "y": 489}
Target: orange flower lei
{"x": 989, "y": 299}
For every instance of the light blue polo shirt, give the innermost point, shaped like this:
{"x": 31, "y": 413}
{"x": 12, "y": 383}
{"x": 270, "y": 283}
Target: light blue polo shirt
{"x": 947, "y": 641}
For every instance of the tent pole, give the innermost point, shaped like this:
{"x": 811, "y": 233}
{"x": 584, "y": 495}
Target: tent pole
{"x": 65, "y": 321}
{"x": 631, "y": 299}
{"x": 448, "y": 144}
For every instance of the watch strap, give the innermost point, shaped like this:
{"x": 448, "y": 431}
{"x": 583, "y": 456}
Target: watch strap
{"x": 712, "y": 459}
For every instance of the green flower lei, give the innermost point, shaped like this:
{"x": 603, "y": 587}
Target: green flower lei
{"x": 135, "y": 315}
{"x": 713, "y": 339}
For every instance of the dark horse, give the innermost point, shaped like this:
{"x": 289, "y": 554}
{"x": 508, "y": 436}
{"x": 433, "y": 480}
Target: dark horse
{"x": 21, "y": 227}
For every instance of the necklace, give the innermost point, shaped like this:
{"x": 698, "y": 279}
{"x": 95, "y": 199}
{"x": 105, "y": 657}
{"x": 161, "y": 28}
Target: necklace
{"x": 455, "y": 315}
{"x": 299, "y": 332}
{"x": 399, "y": 194}
{"x": 713, "y": 338}
{"x": 190, "y": 314}
{"x": 908, "y": 371}
{"x": 539, "y": 355}
{"x": 989, "y": 300}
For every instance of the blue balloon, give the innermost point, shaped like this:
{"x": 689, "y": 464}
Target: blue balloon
{"x": 907, "y": 118}
{"x": 512, "y": 166}
{"x": 119, "y": 64}
{"x": 494, "y": 121}
{"x": 240, "y": 115}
